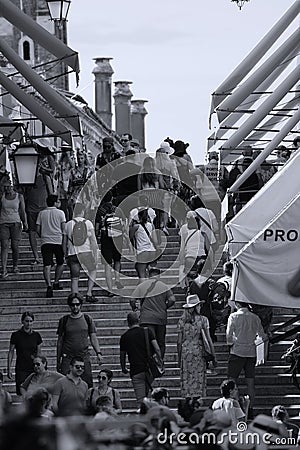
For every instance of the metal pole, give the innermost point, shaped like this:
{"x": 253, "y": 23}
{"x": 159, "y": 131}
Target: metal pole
{"x": 265, "y": 153}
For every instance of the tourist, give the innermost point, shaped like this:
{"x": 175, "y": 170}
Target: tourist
{"x": 70, "y": 392}
{"x": 12, "y": 215}
{"x": 143, "y": 238}
{"x": 133, "y": 344}
{"x": 50, "y": 226}
{"x": 242, "y": 329}
{"x": 193, "y": 328}
{"x": 75, "y": 332}
{"x": 80, "y": 247}
{"x": 229, "y": 402}
{"x": 41, "y": 377}
{"x": 27, "y": 343}
{"x": 155, "y": 299}
{"x": 104, "y": 389}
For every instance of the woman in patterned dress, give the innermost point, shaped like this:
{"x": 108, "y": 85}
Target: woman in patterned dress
{"x": 191, "y": 349}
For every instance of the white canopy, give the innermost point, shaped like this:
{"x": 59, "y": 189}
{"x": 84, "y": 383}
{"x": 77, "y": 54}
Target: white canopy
{"x": 267, "y": 263}
{"x": 270, "y": 200}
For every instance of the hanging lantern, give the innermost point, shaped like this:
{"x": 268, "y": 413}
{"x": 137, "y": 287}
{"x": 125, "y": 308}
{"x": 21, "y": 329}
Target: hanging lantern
{"x": 26, "y": 158}
{"x": 240, "y": 3}
{"x": 59, "y": 9}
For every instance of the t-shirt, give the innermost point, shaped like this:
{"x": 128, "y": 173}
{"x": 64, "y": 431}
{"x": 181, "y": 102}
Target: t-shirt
{"x": 231, "y": 407}
{"x": 143, "y": 241}
{"x": 154, "y": 306}
{"x": 72, "y": 397}
{"x": 26, "y": 345}
{"x": 50, "y": 221}
{"x": 193, "y": 242}
{"x": 47, "y": 379}
{"x": 86, "y": 247}
{"x": 75, "y": 334}
{"x": 134, "y": 344}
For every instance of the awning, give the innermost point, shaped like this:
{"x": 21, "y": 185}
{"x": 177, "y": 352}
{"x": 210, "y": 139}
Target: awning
{"x": 31, "y": 28}
{"x": 36, "y": 109}
{"x": 264, "y": 206}
{"x": 264, "y": 267}
{"x": 55, "y": 100}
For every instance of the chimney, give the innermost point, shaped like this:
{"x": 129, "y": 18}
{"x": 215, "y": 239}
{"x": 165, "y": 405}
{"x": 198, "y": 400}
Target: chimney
{"x": 122, "y": 97}
{"x": 138, "y": 113}
{"x": 103, "y": 75}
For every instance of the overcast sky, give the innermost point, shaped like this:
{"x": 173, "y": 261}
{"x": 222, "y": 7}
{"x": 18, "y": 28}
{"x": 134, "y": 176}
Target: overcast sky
{"x": 175, "y": 52}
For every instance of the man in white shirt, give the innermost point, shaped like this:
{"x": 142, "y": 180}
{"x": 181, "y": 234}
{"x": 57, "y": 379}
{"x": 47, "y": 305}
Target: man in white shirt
{"x": 242, "y": 329}
{"x": 50, "y": 225}
{"x": 80, "y": 247}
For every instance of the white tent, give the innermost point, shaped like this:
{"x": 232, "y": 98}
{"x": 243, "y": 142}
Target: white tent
{"x": 264, "y": 206}
{"x": 267, "y": 263}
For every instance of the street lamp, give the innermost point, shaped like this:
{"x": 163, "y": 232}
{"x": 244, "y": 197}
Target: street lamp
{"x": 240, "y": 3}
{"x": 58, "y": 9}
{"x": 26, "y": 158}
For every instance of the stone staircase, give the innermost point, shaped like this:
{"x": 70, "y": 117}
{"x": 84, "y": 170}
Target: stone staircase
{"x": 26, "y": 291}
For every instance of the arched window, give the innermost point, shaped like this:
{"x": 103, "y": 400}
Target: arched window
{"x": 26, "y": 51}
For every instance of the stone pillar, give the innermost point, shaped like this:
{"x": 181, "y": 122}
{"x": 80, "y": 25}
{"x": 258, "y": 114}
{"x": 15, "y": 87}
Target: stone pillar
{"x": 122, "y": 98}
{"x": 103, "y": 74}
{"x": 138, "y": 113}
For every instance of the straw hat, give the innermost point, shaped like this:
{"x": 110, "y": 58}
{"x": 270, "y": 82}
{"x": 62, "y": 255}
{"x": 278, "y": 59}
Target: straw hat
{"x": 192, "y": 300}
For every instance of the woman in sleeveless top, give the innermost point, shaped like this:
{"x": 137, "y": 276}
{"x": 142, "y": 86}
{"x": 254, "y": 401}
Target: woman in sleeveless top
{"x": 104, "y": 389}
{"x": 12, "y": 215}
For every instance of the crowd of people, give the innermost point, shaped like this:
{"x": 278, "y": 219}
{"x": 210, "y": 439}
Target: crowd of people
{"x": 132, "y": 203}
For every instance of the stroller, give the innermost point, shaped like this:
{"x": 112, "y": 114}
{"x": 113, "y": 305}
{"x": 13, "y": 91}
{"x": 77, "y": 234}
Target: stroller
{"x": 292, "y": 357}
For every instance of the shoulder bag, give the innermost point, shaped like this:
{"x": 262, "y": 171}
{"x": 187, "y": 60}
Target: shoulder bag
{"x": 207, "y": 355}
{"x": 154, "y": 368}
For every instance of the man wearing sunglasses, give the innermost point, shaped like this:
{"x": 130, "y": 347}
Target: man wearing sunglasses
{"x": 70, "y": 392}
{"x": 75, "y": 332}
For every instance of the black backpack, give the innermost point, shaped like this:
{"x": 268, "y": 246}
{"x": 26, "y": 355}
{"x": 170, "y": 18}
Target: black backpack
{"x": 79, "y": 232}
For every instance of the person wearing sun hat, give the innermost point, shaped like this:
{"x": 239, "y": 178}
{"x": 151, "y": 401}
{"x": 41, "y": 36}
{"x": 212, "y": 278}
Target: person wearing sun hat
{"x": 192, "y": 329}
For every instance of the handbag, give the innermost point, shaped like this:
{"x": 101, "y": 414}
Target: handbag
{"x": 154, "y": 368}
{"x": 207, "y": 355}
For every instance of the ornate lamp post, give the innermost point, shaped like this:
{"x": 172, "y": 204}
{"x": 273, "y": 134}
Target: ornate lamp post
{"x": 240, "y": 3}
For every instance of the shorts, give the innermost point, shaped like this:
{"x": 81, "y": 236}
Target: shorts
{"x": 86, "y": 261}
{"x": 48, "y": 250}
{"x": 110, "y": 249}
{"x": 237, "y": 363}
{"x": 11, "y": 231}
{"x": 31, "y": 219}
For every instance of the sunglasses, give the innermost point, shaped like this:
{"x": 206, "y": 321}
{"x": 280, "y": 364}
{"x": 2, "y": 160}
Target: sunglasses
{"x": 37, "y": 364}
{"x": 102, "y": 378}
{"x": 75, "y": 304}
{"x": 77, "y": 366}
{"x": 124, "y": 140}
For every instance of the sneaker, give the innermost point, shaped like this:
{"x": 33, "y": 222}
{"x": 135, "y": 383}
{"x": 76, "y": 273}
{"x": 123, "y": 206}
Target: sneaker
{"x": 119, "y": 285}
{"x": 16, "y": 270}
{"x": 91, "y": 299}
{"x": 106, "y": 293}
{"x": 211, "y": 372}
{"x": 57, "y": 287}
{"x": 4, "y": 275}
{"x": 49, "y": 292}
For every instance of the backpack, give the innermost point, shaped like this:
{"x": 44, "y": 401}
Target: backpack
{"x": 113, "y": 225}
{"x": 79, "y": 232}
